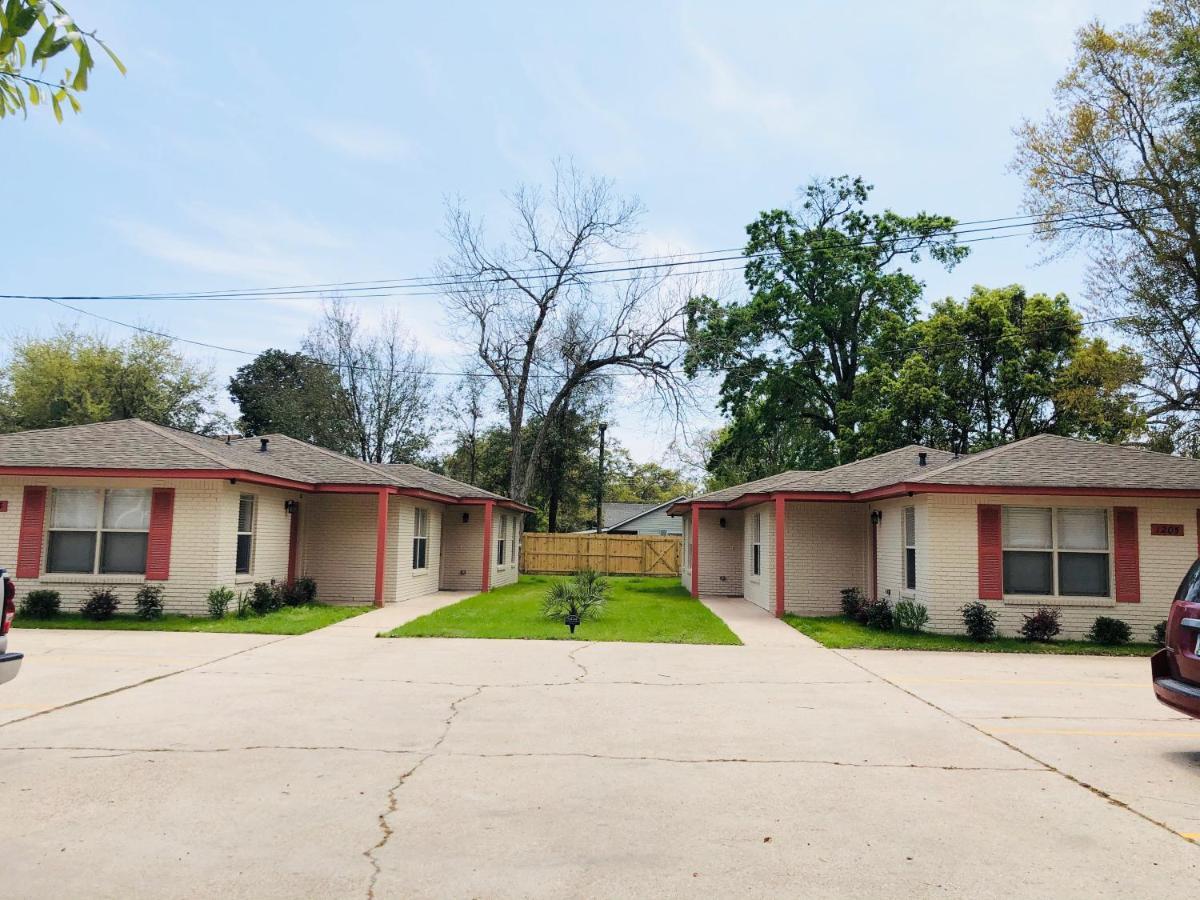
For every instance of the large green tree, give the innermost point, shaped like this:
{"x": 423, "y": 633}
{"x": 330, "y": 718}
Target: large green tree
{"x": 827, "y": 282}
{"x": 292, "y": 394}
{"x": 1115, "y": 165}
{"x": 1001, "y": 366}
{"x": 74, "y": 379}
{"x": 32, "y": 34}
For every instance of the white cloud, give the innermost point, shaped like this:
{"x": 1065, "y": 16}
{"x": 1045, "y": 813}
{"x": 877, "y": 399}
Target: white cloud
{"x": 363, "y": 142}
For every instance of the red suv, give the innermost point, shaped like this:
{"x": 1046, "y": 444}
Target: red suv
{"x": 1176, "y": 667}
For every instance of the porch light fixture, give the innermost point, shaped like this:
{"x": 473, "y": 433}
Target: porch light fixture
{"x": 466, "y": 518}
{"x": 876, "y": 516}
{"x": 291, "y": 506}
{"x": 722, "y": 521}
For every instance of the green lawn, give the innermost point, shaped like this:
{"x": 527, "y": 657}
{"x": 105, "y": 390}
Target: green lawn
{"x": 289, "y": 620}
{"x": 650, "y": 610}
{"x": 841, "y": 634}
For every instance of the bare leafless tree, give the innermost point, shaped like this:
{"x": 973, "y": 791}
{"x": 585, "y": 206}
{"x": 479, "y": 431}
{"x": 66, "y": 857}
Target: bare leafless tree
{"x": 387, "y": 388}
{"x": 545, "y": 323}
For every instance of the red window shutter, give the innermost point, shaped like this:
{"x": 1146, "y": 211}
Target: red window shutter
{"x": 1126, "y": 565}
{"x": 29, "y": 540}
{"x": 991, "y": 554}
{"x": 158, "y": 545}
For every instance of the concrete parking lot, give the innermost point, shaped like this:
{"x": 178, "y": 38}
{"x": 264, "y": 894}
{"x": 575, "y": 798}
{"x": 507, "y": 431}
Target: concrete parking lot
{"x": 337, "y": 764}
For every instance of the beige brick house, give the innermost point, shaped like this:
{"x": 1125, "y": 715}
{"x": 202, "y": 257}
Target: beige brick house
{"x": 1093, "y": 529}
{"x": 127, "y": 502}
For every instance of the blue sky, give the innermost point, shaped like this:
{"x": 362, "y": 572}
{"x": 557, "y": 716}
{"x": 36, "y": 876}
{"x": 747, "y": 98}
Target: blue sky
{"x": 296, "y": 144}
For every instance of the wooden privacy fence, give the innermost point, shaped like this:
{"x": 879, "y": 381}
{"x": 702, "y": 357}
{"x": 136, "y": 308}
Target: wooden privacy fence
{"x": 613, "y": 554}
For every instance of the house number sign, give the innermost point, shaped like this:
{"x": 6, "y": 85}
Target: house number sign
{"x": 1166, "y": 530}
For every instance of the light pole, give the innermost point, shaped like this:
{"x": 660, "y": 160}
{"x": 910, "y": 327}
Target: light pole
{"x": 600, "y": 481}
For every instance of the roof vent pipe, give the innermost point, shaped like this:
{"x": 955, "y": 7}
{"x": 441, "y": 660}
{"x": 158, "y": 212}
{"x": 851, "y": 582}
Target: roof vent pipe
{"x": 262, "y": 445}
{"x": 922, "y": 458}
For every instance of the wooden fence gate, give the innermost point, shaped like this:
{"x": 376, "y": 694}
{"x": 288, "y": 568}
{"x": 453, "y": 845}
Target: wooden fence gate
{"x": 613, "y": 554}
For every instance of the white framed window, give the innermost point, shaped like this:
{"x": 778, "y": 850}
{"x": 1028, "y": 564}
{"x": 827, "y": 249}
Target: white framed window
{"x": 910, "y": 548}
{"x": 756, "y": 544}
{"x": 501, "y": 543}
{"x": 244, "y": 561}
{"x": 98, "y": 532}
{"x": 1056, "y": 552}
{"x": 420, "y": 544}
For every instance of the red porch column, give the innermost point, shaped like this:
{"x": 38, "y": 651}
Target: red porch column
{"x": 780, "y": 559}
{"x": 695, "y": 551}
{"x": 381, "y": 521}
{"x": 487, "y": 544}
{"x": 293, "y": 544}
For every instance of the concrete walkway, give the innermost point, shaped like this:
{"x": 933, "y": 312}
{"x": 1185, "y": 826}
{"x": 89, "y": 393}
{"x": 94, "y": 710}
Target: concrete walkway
{"x": 754, "y": 625}
{"x": 335, "y": 764}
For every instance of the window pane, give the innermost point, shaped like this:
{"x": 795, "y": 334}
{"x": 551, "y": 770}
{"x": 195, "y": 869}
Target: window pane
{"x": 757, "y": 559}
{"x": 71, "y": 551}
{"x": 1026, "y": 572}
{"x": 758, "y": 528}
{"x": 242, "y": 565}
{"x": 1083, "y": 574}
{"x": 123, "y": 553}
{"x": 420, "y": 522}
{"x": 75, "y": 509}
{"x": 129, "y": 509}
{"x": 1027, "y": 528}
{"x": 910, "y": 568}
{"x": 910, "y": 526}
{"x": 1083, "y": 529}
{"x": 246, "y": 513}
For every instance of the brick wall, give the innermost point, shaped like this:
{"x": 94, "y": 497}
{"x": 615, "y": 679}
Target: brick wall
{"x": 462, "y": 549}
{"x": 721, "y": 561}
{"x": 825, "y": 551}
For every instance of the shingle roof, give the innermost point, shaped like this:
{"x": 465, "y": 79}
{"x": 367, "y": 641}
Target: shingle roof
{"x": 862, "y": 475}
{"x": 1048, "y": 460}
{"x": 135, "y": 444}
{"x": 1042, "y": 461}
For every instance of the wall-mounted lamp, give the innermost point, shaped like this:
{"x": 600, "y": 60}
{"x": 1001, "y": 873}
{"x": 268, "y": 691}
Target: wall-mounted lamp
{"x": 466, "y": 518}
{"x": 876, "y": 516}
{"x": 291, "y": 506}
{"x": 722, "y": 521}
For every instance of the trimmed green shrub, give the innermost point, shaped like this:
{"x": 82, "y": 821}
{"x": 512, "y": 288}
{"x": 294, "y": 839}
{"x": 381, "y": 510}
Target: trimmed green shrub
{"x": 878, "y": 615}
{"x": 41, "y": 604}
{"x": 1042, "y": 626}
{"x": 910, "y": 615}
{"x": 101, "y": 605}
{"x": 265, "y": 597}
{"x": 148, "y": 601}
{"x": 980, "y": 622}
{"x": 301, "y": 591}
{"x": 1110, "y": 632}
{"x": 582, "y": 597}
{"x": 1159, "y": 635}
{"x": 852, "y": 601}
{"x": 218, "y": 602}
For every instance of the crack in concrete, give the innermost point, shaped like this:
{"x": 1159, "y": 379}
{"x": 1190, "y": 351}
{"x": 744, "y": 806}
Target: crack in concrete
{"x": 250, "y": 748}
{"x": 583, "y": 671}
{"x": 144, "y": 681}
{"x": 1092, "y": 789}
{"x": 385, "y": 827}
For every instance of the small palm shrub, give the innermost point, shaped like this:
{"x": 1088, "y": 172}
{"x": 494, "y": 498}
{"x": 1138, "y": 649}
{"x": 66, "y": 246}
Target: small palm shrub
{"x": 877, "y": 614}
{"x": 218, "y": 602}
{"x": 576, "y": 599}
{"x": 1042, "y": 626}
{"x": 101, "y": 605}
{"x": 1159, "y": 635}
{"x": 910, "y": 615}
{"x": 852, "y": 601}
{"x": 979, "y": 621}
{"x": 1110, "y": 632}
{"x": 265, "y": 597}
{"x": 149, "y": 602}
{"x": 41, "y": 604}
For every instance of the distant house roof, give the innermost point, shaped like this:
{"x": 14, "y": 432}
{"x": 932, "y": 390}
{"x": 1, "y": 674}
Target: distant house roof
{"x": 1046, "y": 462}
{"x": 615, "y": 515}
{"x": 133, "y": 446}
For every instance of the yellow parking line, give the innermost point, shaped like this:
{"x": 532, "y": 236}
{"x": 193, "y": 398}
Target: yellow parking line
{"x": 1141, "y": 685}
{"x": 1194, "y": 735}
{"x": 1190, "y": 835}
